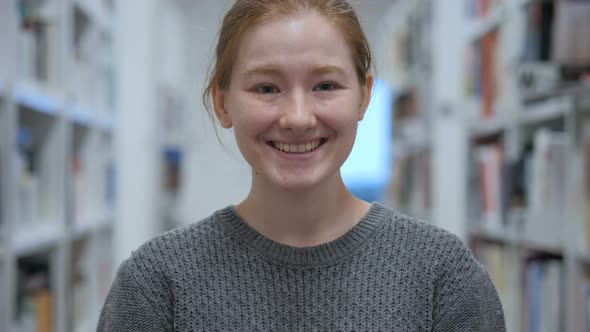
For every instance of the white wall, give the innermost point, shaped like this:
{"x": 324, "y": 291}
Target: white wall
{"x": 371, "y": 14}
{"x": 213, "y": 177}
{"x": 135, "y": 152}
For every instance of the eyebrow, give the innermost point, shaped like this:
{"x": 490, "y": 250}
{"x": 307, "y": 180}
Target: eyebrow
{"x": 272, "y": 69}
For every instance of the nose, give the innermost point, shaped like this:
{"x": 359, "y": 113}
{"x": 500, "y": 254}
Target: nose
{"x": 298, "y": 113}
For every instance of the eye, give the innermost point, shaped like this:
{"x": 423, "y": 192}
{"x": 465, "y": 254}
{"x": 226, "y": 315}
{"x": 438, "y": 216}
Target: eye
{"x": 326, "y": 87}
{"x": 266, "y": 89}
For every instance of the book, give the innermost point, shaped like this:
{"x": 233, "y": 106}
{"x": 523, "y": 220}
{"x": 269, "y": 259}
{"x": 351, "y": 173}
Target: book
{"x": 34, "y": 309}
{"x": 410, "y": 185}
{"x": 43, "y": 310}
{"x": 572, "y": 20}
{"x": 38, "y": 41}
{"x": 80, "y": 190}
{"x": 489, "y": 164}
{"x": 546, "y": 186}
{"x": 104, "y": 265}
{"x": 2, "y": 184}
{"x": 584, "y": 227}
{"x": 489, "y": 81}
{"x": 480, "y": 8}
{"x": 581, "y": 307}
{"x": 495, "y": 257}
{"x": 26, "y": 166}
{"x": 544, "y": 295}
{"x": 539, "y": 31}
{"x": 81, "y": 303}
{"x": 110, "y": 180}
{"x": 482, "y": 77}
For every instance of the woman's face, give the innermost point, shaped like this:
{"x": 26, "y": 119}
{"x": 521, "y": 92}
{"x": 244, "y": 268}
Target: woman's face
{"x": 294, "y": 101}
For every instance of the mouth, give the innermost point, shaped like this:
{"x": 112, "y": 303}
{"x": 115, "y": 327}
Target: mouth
{"x": 299, "y": 148}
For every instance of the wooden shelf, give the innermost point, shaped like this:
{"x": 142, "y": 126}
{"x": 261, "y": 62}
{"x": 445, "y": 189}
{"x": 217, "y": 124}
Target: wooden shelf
{"x": 85, "y": 116}
{"x": 489, "y": 127}
{"x": 539, "y": 245}
{"x": 35, "y": 97}
{"x": 545, "y": 111}
{"x": 97, "y": 14}
{"x": 523, "y": 241}
{"x": 484, "y": 233}
{"x": 36, "y": 237}
{"x": 105, "y": 122}
{"x": 584, "y": 257}
{"x": 404, "y": 147}
{"x": 493, "y": 19}
{"x": 92, "y": 224}
{"x": 80, "y": 115}
{"x": 174, "y": 140}
{"x": 488, "y": 23}
{"x": 585, "y": 102}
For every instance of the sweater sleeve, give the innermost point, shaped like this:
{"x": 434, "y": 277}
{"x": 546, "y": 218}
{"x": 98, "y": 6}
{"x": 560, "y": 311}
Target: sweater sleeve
{"x": 131, "y": 306}
{"x": 465, "y": 298}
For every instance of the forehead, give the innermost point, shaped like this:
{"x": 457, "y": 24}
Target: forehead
{"x": 295, "y": 43}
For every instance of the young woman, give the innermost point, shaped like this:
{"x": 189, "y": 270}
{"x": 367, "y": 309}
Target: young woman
{"x": 300, "y": 253}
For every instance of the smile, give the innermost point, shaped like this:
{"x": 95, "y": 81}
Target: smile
{"x": 298, "y": 148}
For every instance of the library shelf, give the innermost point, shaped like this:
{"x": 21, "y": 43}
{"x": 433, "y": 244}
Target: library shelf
{"x": 35, "y": 97}
{"x": 80, "y": 115}
{"x": 489, "y": 22}
{"x": 92, "y": 224}
{"x": 551, "y": 109}
{"x": 28, "y": 239}
{"x": 489, "y": 127}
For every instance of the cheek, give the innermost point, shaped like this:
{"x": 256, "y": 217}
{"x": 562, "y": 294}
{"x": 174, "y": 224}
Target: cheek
{"x": 344, "y": 111}
{"x": 249, "y": 117}
{"x": 343, "y": 120}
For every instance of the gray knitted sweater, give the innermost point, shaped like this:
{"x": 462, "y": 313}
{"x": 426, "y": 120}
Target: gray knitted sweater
{"x": 388, "y": 273}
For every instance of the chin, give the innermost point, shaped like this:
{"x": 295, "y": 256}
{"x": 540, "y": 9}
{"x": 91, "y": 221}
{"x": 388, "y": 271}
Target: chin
{"x": 299, "y": 186}
{"x": 293, "y": 183}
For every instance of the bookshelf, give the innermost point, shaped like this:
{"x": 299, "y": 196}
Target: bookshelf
{"x": 57, "y": 174}
{"x": 405, "y": 41}
{"x": 171, "y": 59}
{"x": 508, "y": 114}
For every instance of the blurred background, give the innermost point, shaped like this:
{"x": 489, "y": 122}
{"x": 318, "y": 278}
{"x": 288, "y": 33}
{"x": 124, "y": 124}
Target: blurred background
{"x": 479, "y": 123}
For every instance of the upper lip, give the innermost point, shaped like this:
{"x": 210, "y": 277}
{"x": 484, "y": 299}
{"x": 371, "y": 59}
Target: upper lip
{"x": 296, "y": 142}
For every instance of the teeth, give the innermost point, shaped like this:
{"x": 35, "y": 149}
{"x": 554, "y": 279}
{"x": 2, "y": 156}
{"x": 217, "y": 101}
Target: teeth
{"x": 297, "y": 148}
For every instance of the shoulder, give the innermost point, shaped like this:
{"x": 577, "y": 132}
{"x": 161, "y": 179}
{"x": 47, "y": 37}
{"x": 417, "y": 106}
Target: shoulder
{"x": 462, "y": 287}
{"x": 165, "y": 253}
{"x": 422, "y": 235}
{"x": 460, "y": 281}
{"x": 440, "y": 251}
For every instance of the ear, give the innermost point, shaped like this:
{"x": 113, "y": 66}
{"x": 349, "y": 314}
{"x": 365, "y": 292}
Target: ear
{"x": 366, "y": 95}
{"x": 219, "y": 107}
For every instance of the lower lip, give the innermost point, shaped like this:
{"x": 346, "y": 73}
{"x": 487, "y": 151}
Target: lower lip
{"x": 297, "y": 156}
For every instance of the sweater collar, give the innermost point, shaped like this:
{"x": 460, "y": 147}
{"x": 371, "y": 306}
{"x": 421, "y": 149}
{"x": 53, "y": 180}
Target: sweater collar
{"x": 329, "y": 253}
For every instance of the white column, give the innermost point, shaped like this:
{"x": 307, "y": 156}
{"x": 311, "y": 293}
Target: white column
{"x": 137, "y": 158}
{"x": 449, "y": 145}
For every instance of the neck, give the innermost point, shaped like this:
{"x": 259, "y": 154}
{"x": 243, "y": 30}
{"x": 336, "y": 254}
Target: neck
{"x": 302, "y": 218}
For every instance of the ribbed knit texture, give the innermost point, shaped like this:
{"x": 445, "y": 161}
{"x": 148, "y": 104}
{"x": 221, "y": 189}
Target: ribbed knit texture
{"x": 388, "y": 273}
